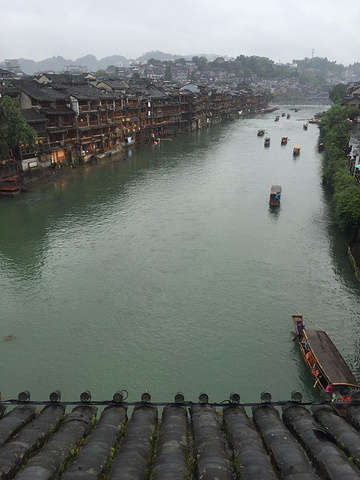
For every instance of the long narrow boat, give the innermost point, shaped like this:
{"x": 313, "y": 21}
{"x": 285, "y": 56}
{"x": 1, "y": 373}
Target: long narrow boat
{"x": 296, "y": 150}
{"x": 9, "y": 190}
{"x": 326, "y": 364}
{"x": 275, "y": 195}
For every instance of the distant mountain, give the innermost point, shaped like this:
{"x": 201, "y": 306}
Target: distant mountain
{"x": 58, "y": 64}
{"x": 157, "y": 56}
{"x": 27, "y": 66}
{"x": 169, "y": 56}
{"x": 89, "y": 60}
{"x": 55, "y": 64}
{"x": 117, "y": 60}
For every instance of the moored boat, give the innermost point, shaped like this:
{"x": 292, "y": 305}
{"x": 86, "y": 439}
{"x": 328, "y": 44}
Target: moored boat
{"x": 9, "y": 190}
{"x": 275, "y": 195}
{"x": 261, "y": 133}
{"x": 277, "y": 118}
{"x": 305, "y": 126}
{"x": 284, "y": 140}
{"x": 326, "y": 364}
{"x": 296, "y": 150}
{"x": 267, "y": 142}
{"x": 288, "y": 116}
{"x": 315, "y": 120}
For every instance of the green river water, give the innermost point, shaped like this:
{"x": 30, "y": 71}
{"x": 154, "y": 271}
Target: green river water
{"x": 166, "y": 270}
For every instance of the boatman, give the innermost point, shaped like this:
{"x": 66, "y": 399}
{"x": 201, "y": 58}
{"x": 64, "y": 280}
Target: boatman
{"x": 299, "y": 327}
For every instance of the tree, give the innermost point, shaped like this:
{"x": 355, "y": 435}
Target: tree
{"x": 200, "y": 62}
{"x": 337, "y": 93}
{"x": 347, "y": 209}
{"x": 13, "y": 128}
{"x": 136, "y": 77}
{"x": 154, "y": 61}
{"x": 168, "y": 74}
{"x": 100, "y": 73}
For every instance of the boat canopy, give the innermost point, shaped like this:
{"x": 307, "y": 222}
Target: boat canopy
{"x": 275, "y": 189}
{"x": 329, "y": 359}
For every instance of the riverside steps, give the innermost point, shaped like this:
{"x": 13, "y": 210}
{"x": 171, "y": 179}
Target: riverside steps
{"x": 180, "y": 440}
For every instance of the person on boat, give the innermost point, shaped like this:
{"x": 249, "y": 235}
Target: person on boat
{"x": 299, "y": 325}
{"x": 345, "y": 394}
{"x": 310, "y": 358}
{"x": 330, "y": 388}
{"x": 316, "y": 371}
{"x": 346, "y": 398}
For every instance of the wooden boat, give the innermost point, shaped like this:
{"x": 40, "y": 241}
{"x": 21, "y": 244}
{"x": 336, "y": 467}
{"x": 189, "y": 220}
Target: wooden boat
{"x": 321, "y": 147}
{"x": 9, "y": 191}
{"x": 296, "y": 150}
{"x": 277, "y": 118}
{"x": 12, "y": 179}
{"x": 261, "y": 133}
{"x": 284, "y": 140}
{"x": 325, "y": 362}
{"x": 275, "y": 195}
{"x": 283, "y": 114}
{"x": 267, "y": 142}
{"x": 288, "y": 116}
{"x": 305, "y": 126}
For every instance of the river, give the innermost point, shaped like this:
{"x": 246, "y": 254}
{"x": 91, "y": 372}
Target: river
{"x": 166, "y": 270}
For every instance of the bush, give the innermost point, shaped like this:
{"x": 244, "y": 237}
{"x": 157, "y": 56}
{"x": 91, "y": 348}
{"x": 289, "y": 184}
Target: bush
{"x": 335, "y": 129}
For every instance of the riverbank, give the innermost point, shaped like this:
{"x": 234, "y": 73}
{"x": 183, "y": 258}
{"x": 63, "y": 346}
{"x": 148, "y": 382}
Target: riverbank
{"x": 354, "y": 256}
{"x": 41, "y": 177}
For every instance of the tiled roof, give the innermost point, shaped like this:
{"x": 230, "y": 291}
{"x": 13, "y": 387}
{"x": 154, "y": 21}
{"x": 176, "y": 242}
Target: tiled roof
{"x": 42, "y": 92}
{"x": 47, "y": 92}
{"x": 85, "y": 92}
{"x": 197, "y": 441}
{"x": 32, "y": 115}
{"x": 65, "y": 78}
{"x": 116, "y": 84}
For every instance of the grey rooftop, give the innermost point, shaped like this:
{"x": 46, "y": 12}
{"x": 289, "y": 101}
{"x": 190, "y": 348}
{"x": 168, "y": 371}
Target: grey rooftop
{"x": 264, "y": 441}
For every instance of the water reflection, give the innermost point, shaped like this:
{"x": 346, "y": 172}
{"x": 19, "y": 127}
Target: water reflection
{"x": 274, "y": 212}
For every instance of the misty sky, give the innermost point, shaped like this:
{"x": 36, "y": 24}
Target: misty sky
{"x": 281, "y": 30}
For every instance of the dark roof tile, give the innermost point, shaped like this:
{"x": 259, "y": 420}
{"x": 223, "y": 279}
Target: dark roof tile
{"x": 197, "y": 441}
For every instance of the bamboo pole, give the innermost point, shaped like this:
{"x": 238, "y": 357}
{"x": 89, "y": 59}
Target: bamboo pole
{"x": 316, "y": 382}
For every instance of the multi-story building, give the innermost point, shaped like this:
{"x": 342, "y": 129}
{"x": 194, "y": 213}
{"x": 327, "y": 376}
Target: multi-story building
{"x": 78, "y": 118}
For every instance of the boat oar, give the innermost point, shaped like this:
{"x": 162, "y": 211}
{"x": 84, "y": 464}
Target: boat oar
{"x": 316, "y": 325}
{"x": 316, "y": 382}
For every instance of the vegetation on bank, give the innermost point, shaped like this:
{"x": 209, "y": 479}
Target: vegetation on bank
{"x": 335, "y": 128}
{"x": 14, "y": 131}
{"x": 337, "y": 93}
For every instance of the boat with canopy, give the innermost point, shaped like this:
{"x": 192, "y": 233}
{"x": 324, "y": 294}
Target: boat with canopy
{"x": 326, "y": 364}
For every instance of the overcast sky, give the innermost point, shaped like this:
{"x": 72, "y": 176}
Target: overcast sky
{"x": 281, "y": 30}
